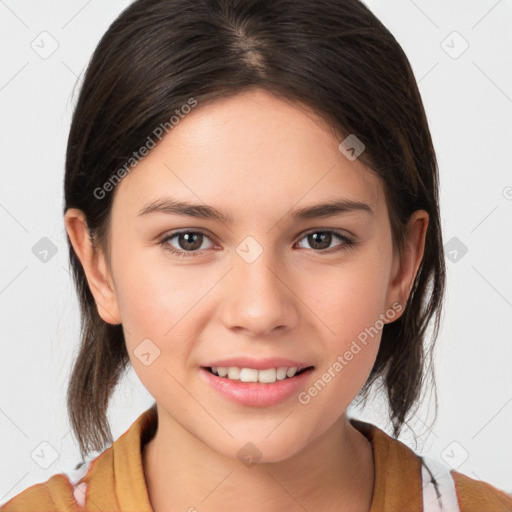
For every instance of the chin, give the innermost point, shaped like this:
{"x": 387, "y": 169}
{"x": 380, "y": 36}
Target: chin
{"x": 251, "y": 450}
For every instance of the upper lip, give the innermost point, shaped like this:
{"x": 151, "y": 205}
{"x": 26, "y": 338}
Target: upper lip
{"x": 258, "y": 364}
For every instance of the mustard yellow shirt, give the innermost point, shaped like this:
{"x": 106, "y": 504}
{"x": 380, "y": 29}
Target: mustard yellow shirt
{"x": 114, "y": 480}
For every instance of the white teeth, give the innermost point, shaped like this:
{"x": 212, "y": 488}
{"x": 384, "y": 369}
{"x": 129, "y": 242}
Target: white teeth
{"x": 281, "y": 373}
{"x": 267, "y": 376}
{"x": 291, "y": 372}
{"x": 248, "y": 375}
{"x": 233, "y": 373}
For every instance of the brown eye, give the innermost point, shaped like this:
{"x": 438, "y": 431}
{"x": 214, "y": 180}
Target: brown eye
{"x": 321, "y": 240}
{"x": 190, "y": 241}
{"x": 186, "y": 242}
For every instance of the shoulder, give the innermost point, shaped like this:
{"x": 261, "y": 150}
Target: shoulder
{"x": 94, "y": 484}
{"x": 402, "y": 476}
{"x": 63, "y": 491}
{"x": 477, "y": 496}
{"x": 54, "y": 494}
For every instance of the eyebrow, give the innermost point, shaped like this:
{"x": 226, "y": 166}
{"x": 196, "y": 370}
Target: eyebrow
{"x": 172, "y": 206}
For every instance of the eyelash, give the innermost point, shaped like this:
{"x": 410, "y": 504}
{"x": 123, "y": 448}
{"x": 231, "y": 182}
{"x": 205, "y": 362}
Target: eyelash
{"x": 346, "y": 245}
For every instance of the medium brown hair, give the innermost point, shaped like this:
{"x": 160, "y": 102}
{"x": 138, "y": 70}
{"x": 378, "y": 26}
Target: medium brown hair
{"x": 335, "y": 57}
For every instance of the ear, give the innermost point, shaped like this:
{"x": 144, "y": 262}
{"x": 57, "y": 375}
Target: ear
{"x": 94, "y": 264}
{"x": 405, "y": 268}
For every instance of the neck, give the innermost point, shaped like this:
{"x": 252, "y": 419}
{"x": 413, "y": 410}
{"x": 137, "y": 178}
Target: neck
{"x": 334, "y": 472}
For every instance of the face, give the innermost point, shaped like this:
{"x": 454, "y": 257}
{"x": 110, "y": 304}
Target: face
{"x": 263, "y": 288}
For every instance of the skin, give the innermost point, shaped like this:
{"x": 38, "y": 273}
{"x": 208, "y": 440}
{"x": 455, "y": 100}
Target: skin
{"x": 258, "y": 158}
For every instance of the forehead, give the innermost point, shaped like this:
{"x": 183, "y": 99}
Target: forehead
{"x": 251, "y": 151}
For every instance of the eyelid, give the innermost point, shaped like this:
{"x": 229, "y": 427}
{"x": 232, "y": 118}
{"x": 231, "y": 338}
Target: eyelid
{"x": 171, "y": 234}
{"x": 339, "y": 232}
{"x": 347, "y": 241}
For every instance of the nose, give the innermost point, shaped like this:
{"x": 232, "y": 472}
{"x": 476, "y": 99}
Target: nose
{"x": 259, "y": 300}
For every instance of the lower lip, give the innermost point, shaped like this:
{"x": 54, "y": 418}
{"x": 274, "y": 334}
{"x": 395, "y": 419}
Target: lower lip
{"x": 255, "y": 394}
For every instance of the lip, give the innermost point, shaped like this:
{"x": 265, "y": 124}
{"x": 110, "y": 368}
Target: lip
{"x": 258, "y": 364}
{"x": 256, "y": 394}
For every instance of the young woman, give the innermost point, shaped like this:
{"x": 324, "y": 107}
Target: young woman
{"x": 251, "y": 202}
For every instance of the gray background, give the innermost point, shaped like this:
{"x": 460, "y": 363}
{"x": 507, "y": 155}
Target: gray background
{"x": 468, "y": 97}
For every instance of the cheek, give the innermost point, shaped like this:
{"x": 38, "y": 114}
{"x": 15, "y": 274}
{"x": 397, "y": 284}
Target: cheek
{"x": 164, "y": 303}
{"x": 152, "y": 294}
{"x": 349, "y": 307}
{"x": 349, "y": 298}
{"x": 349, "y": 348}
{"x": 156, "y": 307}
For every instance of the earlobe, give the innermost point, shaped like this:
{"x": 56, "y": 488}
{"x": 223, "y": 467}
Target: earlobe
{"x": 406, "y": 268}
{"x": 94, "y": 264}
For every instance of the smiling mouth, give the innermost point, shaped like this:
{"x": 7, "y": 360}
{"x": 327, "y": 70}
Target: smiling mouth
{"x": 267, "y": 376}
